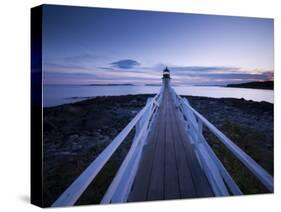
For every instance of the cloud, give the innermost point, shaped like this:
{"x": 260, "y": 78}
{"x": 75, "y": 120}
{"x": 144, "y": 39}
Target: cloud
{"x": 131, "y": 70}
{"x": 71, "y": 75}
{"x": 99, "y": 77}
{"x": 67, "y": 68}
{"x": 68, "y": 78}
{"x": 203, "y": 68}
{"x": 80, "y": 58}
{"x": 125, "y": 64}
{"x": 227, "y": 76}
{"x": 108, "y": 68}
{"x": 218, "y": 74}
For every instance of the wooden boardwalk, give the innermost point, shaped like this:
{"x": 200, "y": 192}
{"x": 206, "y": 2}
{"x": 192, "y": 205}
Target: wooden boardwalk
{"x": 168, "y": 168}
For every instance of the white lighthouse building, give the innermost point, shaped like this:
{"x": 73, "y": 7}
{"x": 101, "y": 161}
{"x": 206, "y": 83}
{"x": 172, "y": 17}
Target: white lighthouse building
{"x": 166, "y": 77}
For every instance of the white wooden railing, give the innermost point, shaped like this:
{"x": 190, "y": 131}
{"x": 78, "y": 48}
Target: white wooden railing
{"x": 221, "y": 181}
{"x": 122, "y": 182}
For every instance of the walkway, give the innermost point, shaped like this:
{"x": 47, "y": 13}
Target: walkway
{"x": 169, "y": 168}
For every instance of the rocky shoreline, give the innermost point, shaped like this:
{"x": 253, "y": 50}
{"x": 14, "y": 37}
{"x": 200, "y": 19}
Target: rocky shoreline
{"x": 74, "y": 134}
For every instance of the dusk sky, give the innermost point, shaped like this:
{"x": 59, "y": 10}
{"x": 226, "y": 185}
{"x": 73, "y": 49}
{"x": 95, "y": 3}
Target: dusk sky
{"x": 101, "y": 46}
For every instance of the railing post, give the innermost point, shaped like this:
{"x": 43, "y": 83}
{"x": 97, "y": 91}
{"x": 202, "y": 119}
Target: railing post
{"x": 200, "y": 126}
{"x": 144, "y": 117}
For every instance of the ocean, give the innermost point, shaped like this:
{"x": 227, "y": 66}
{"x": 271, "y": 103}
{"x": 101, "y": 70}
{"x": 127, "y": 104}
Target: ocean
{"x": 54, "y": 95}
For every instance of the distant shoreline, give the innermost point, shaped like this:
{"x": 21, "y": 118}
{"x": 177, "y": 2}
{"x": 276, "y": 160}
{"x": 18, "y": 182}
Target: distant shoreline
{"x": 81, "y": 99}
{"x": 69, "y": 94}
{"x": 265, "y": 85}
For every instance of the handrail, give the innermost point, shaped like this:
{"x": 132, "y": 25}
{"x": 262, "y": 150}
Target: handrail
{"x": 264, "y": 177}
{"x": 194, "y": 128}
{"x": 125, "y": 174}
{"x": 219, "y": 181}
{"x": 75, "y": 190}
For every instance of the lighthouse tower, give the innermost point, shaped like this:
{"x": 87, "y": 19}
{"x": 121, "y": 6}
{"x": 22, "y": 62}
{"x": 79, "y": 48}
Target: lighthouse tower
{"x": 166, "y": 77}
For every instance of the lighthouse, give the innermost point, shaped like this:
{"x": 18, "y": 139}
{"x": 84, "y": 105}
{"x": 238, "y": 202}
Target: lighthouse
{"x": 166, "y": 77}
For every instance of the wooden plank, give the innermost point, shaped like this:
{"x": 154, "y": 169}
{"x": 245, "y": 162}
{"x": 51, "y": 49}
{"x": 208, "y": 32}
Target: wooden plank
{"x": 156, "y": 186}
{"x": 142, "y": 179}
{"x": 172, "y": 189}
{"x": 187, "y": 188}
{"x": 203, "y": 189}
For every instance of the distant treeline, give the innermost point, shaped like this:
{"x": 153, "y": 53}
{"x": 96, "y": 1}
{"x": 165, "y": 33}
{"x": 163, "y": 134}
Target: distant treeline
{"x": 256, "y": 85}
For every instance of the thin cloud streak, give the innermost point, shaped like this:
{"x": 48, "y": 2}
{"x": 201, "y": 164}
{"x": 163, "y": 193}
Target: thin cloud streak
{"x": 125, "y": 71}
{"x": 80, "y": 58}
{"x": 144, "y": 77}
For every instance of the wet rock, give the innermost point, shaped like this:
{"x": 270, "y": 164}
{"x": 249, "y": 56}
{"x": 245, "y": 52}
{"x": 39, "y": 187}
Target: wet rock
{"x": 73, "y": 138}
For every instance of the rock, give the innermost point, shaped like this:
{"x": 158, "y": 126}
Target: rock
{"x": 48, "y": 126}
{"x": 73, "y": 138}
{"x": 76, "y": 147}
